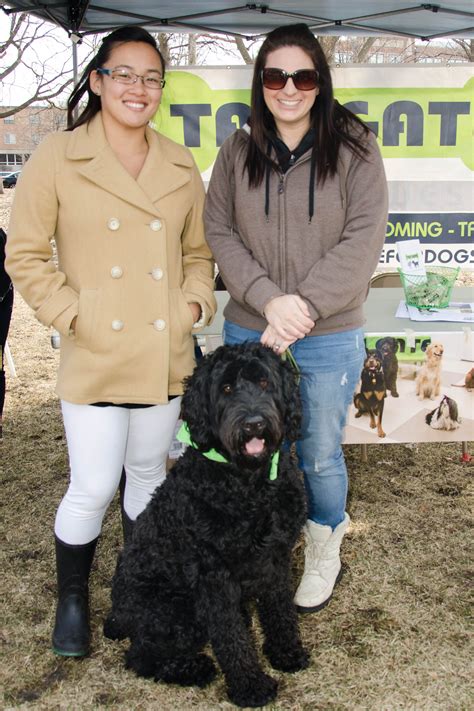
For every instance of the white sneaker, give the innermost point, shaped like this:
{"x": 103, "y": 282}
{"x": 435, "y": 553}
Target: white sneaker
{"x": 322, "y": 569}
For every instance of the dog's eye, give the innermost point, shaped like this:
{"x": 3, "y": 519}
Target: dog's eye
{"x": 227, "y": 389}
{"x": 263, "y": 382}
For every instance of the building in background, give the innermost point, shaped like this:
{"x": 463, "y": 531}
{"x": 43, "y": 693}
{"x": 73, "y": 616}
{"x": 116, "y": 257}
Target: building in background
{"x": 21, "y": 132}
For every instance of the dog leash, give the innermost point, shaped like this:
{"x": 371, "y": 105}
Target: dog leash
{"x": 288, "y": 355}
{"x": 184, "y": 436}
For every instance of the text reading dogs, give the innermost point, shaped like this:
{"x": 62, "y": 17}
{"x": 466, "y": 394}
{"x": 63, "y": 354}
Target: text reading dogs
{"x": 218, "y": 534}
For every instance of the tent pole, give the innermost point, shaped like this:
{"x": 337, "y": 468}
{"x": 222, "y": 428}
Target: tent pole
{"x": 74, "y": 72}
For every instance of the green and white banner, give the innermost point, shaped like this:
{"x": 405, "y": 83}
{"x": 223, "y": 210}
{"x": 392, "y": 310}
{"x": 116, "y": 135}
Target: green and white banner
{"x": 423, "y": 119}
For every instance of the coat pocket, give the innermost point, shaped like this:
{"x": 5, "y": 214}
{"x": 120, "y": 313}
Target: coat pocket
{"x": 181, "y": 339}
{"x": 86, "y": 324}
{"x": 183, "y": 311}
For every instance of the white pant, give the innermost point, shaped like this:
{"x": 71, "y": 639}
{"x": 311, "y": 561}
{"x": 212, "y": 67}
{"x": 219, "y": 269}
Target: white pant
{"x": 101, "y": 441}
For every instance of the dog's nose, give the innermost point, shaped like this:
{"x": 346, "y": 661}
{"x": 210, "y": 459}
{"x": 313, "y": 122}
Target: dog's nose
{"x": 254, "y": 425}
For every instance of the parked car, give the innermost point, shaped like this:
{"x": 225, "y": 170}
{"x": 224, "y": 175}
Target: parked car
{"x": 9, "y": 181}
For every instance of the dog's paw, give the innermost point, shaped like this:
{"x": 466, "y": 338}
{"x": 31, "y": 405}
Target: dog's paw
{"x": 142, "y": 663}
{"x": 198, "y": 671}
{"x": 112, "y": 629}
{"x": 287, "y": 660}
{"x": 394, "y": 393}
{"x": 253, "y": 691}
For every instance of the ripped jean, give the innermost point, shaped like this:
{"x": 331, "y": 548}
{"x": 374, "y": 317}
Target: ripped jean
{"x": 330, "y": 367}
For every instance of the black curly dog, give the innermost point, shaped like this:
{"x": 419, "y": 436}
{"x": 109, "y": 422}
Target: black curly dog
{"x": 218, "y": 535}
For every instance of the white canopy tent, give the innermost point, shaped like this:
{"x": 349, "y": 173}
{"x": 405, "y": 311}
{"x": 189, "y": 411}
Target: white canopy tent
{"x": 342, "y": 17}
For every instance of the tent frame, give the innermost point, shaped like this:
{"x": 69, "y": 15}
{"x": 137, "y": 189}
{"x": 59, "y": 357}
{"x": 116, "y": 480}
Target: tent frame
{"x": 74, "y": 13}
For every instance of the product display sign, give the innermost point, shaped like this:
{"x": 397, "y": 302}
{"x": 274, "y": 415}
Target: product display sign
{"x": 423, "y": 119}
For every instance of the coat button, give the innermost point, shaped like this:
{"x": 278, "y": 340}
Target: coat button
{"x": 116, "y": 272}
{"x": 155, "y": 225}
{"x": 157, "y": 273}
{"x": 113, "y": 223}
{"x": 117, "y": 325}
{"x": 159, "y": 324}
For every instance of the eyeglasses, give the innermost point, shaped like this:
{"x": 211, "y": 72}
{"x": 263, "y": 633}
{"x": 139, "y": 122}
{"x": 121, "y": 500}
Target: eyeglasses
{"x": 123, "y": 76}
{"x": 303, "y": 79}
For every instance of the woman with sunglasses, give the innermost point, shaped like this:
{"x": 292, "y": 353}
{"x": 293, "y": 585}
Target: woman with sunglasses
{"x": 295, "y": 216}
{"x": 134, "y": 281}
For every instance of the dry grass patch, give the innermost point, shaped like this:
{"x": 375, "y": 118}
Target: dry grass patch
{"x": 394, "y": 637}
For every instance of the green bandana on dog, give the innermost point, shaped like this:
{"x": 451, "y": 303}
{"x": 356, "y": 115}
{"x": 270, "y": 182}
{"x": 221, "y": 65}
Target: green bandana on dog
{"x": 184, "y": 436}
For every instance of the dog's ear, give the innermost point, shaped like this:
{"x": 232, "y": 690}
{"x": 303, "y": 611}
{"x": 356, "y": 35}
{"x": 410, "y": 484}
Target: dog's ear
{"x": 195, "y": 405}
{"x": 292, "y": 400}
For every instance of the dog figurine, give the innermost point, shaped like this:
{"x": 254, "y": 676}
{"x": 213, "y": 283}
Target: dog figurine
{"x": 468, "y": 381}
{"x": 388, "y": 347}
{"x": 370, "y": 399}
{"x": 445, "y": 416}
{"x": 428, "y": 379}
{"x": 218, "y": 535}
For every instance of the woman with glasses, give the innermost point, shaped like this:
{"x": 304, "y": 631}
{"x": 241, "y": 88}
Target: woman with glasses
{"x": 295, "y": 216}
{"x": 134, "y": 281}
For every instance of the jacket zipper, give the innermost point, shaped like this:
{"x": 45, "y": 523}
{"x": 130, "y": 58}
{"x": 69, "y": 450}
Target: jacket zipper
{"x": 283, "y": 242}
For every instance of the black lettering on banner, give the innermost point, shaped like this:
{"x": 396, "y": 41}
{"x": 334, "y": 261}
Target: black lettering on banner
{"x": 361, "y": 108}
{"x": 191, "y": 113}
{"x": 450, "y": 256}
{"x": 449, "y": 112}
{"x": 226, "y": 123}
{"x": 393, "y": 127}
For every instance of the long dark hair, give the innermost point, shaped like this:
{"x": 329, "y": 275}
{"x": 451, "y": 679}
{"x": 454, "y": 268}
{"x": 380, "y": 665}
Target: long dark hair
{"x": 121, "y": 35}
{"x": 332, "y": 123}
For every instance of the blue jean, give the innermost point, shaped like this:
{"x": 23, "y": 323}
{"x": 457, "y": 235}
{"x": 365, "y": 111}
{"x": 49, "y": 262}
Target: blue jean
{"x": 330, "y": 368}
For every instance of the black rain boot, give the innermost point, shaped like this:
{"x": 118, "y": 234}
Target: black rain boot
{"x": 71, "y": 635}
{"x": 127, "y": 523}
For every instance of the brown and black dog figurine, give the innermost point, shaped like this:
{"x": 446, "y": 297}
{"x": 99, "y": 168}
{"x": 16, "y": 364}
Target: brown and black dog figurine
{"x": 370, "y": 399}
{"x": 388, "y": 348}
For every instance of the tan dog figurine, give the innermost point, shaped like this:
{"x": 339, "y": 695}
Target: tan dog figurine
{"x": 428, "y": 380}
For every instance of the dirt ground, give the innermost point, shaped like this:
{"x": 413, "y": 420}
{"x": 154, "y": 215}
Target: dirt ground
{"x": 395, "y": 636}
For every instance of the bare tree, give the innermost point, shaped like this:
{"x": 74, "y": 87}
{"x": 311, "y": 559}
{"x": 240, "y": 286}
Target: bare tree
{"x": 466, "y": 47}
{"x": 328, "y": 44}
{"x": 35, "y": 50}
{"x": 180, "y": 49}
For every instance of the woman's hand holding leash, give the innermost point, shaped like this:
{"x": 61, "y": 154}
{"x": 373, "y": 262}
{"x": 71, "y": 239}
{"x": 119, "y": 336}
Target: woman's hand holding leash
{"x": 271, "y": 339}
{"x": 289, "y": 317}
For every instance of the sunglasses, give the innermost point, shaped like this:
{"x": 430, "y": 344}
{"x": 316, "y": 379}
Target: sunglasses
{"x": 303, "y": 79}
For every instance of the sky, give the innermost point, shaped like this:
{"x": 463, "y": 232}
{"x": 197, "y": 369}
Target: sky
{"x": 52, "y": 54}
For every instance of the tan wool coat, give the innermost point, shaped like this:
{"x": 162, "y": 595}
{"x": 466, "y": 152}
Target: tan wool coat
{"x": 131, "y": 256}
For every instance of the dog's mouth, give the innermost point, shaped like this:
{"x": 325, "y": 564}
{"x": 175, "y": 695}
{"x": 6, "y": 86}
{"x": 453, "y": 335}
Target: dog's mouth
{"x": 255, "y": 447}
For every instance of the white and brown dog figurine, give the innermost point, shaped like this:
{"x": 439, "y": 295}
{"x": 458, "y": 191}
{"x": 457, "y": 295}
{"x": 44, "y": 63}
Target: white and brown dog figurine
{"x": 445, "y": 416}
{"x": 428, "y": 380}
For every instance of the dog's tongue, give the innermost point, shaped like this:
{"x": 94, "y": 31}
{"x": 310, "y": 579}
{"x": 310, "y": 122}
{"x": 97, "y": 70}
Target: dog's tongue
{"x": 255, "y": 446}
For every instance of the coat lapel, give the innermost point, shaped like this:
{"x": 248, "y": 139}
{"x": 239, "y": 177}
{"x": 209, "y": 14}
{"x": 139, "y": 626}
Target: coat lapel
{"x": 165, "y": 169}
{"x": 159, "y": 176}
